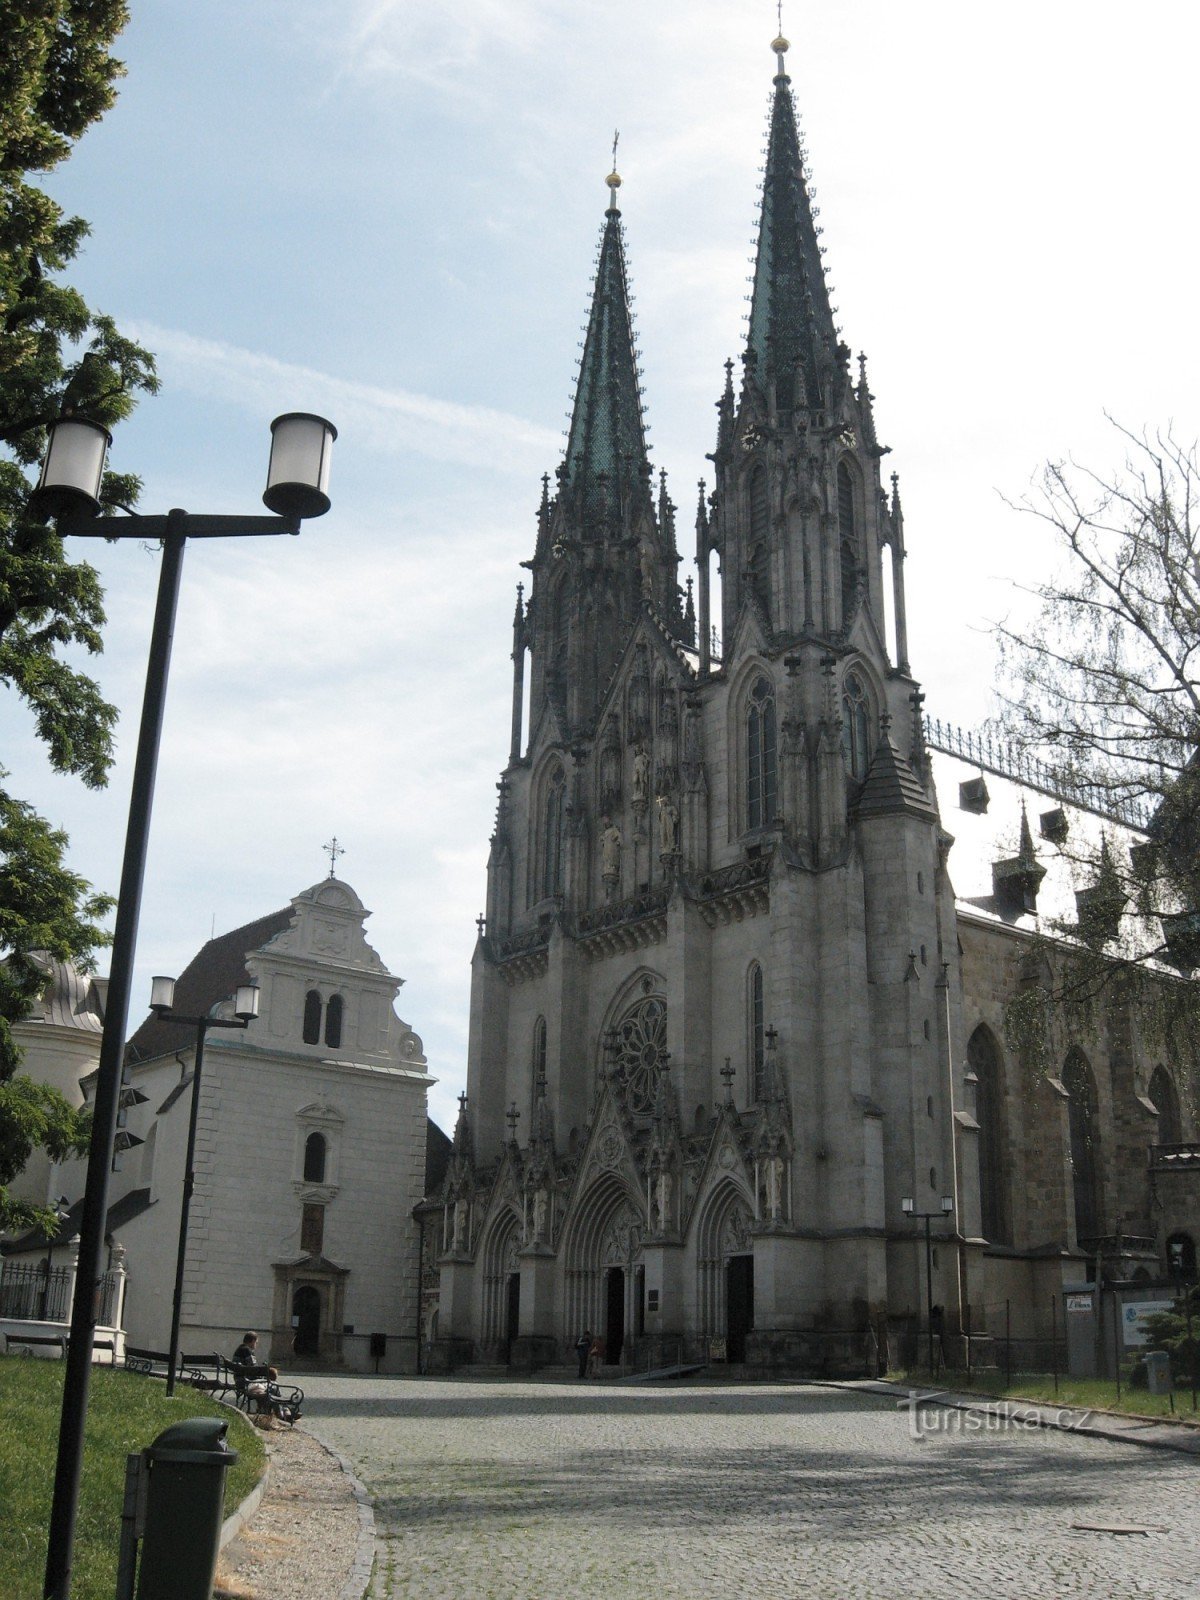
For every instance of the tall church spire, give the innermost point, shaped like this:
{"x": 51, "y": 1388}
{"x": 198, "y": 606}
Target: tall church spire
{"x": 606, "y": 449}
{"x": 791, "y": 321}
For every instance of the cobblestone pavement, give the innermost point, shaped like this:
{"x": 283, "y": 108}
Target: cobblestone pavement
{"x": 533, "y": 1491}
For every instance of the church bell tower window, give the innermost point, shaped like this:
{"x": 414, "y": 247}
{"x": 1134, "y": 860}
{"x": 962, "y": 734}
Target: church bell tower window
{"x": 314, "y": 1158}
{"x": 312, "y": 1017}
{"x": 553, "y": 831}
{"x": 761, "y": 782}
{"x": 333, "y": 1022}
{"x": 757, "y": 1033}
{"x": 849, "y": 539}
{"x": 856, "y": 727}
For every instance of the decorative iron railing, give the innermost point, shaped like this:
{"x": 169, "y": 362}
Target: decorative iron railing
{"x": 1007, "y": 760}
{"x": 650, "y": 903}
{"x": 28, "y": 1293}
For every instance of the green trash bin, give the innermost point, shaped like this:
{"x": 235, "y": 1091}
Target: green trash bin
{"x": 184, "y": 1510}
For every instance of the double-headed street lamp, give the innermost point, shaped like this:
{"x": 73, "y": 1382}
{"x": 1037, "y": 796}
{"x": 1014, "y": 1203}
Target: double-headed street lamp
{"x": 947, "y": 1211}
{"x": 245, "y": 1009}
{"x": 68, "y": 493}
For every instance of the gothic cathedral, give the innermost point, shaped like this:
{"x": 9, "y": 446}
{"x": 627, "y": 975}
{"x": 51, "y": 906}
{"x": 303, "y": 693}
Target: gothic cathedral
{"x": 717, "y": 1028}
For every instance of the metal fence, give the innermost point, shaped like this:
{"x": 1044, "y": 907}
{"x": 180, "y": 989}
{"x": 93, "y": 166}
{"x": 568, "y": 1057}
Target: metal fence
{"x": 29, "y": 1293}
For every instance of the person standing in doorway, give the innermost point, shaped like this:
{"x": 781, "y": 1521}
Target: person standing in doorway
{"x": 583, "y": 1346}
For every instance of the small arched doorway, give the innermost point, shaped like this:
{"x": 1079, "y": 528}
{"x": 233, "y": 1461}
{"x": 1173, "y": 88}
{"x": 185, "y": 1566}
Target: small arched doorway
{"x": 306, "y": 1320}
{"x": 614, "y": 1315}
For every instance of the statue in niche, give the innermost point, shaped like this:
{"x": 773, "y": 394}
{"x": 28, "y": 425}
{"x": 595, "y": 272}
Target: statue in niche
{"x": 668, "y": 825}
{"x": 775, "y": 1186}
{"x": 460, "y": 1226}
{"x": 610, "y": 853}
{"x": 662, "y": 1198}
{"x": 539, "y": 1213}
{"x": 641, "y": 775}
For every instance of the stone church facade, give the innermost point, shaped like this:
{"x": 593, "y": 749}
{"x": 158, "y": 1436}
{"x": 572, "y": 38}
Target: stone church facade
{"x": 727, "y": 1013}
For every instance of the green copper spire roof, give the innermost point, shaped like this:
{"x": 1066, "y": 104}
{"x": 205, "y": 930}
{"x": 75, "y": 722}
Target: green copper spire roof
{"x": 607, "y": 433}
{"x": 790, "y": 316}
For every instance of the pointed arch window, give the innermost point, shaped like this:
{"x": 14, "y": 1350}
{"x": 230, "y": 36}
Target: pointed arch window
{"x": 538, "y": 1063}
{"x": 755, "y": 1018}
{"x": 848, "y": 535}
{"x": 311, "y": 1033}
{"x": 856, "y": 726}
{"x": 761, "y": 765}
{"x": 333, "y": 1022}
{"x": 552, "y": 831}
{"x": 983, "y": 1059}
{"x": 760, "y": 509}
{"x": 314, "y": 1158}
{"x": 1084, "y": 1141}
{"x": 1166, "y": 1102}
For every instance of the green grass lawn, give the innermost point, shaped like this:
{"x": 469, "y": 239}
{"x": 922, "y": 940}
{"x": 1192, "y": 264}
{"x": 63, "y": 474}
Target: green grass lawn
{"x": 126, "y": 1412}
{"x": 1086, "y": 1394}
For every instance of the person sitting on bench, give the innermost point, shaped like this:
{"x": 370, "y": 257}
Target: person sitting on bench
{"x": 260, "y": 1383}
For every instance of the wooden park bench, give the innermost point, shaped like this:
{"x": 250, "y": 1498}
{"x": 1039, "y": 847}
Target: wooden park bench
{"x": 283, "y": 1403}
{"x": 62, "y": 1340}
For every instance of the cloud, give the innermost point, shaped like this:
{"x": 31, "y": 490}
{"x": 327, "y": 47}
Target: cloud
{"x": 388, "y": 421}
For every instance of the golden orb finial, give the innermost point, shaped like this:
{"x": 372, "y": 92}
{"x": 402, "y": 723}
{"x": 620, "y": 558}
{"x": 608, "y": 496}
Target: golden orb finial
{"x": 780, "y": 45}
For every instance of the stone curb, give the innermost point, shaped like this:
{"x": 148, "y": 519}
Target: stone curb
{"x": 355, "y": 1587}
{"x": 1150, "y": 1433}
{"x": 237, "y": 1520}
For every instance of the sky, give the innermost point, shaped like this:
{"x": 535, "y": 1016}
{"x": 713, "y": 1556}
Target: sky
{"x": 388, "y": 212}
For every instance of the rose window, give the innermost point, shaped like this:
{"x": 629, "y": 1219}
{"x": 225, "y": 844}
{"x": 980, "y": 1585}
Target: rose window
{"x": 639, "y": 1051}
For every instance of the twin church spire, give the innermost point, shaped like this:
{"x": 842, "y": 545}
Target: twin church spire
{"x": 792, "y": 339}
{"x": 606, "y": 448}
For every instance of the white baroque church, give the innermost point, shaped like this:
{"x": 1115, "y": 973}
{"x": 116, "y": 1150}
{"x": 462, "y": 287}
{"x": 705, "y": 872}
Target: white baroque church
{"x": 731, "y": 1029}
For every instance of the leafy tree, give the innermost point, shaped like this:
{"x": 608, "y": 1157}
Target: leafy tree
{"x": 1104, "y": 690}
{"x": 1178, "y": 1334}
{"x": 57, "y": 355}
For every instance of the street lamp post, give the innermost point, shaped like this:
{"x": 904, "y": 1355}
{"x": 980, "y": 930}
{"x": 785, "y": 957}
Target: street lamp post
{"x": 245, "y": 1009}
{"x": 947, "y": 1211}
{"x": 68, "y": 493}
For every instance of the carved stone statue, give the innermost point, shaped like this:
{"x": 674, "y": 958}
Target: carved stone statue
{"x": 668, "y": 825}
{"x": 460, "y": 1226}
{"x": 641, "y": 775}
{"x": 774, "y": 1186}
{"x": 539, "y": 1213}
{"x": 662, "y": 1198}
{"x": 610, "y": 852}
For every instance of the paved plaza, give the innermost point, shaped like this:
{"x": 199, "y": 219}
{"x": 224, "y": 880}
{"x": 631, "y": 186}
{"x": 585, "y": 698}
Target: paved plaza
{"x": 531, "y": 1491}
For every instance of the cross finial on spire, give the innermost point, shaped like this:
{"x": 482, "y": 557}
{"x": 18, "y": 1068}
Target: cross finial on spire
{"x": 728, "y": 1074}
{"x": 614, "y": 178}
{"x": 333, "y": 850}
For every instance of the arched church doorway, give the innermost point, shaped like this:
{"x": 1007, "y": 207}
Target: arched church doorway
{"x": 306, "y": 1319}
{"x": 512, "y": 1321}
{"x": 614, "y": 1314}
{"x": 739, "y": 1305}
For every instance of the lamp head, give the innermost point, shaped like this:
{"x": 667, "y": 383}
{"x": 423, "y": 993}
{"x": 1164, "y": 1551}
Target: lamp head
{"x": 162, "y": 994}
{"x": 72, "y": 470}
{"x": 298, "y": 471}
{"x": 947, "y": 1204}
{"x": 906, "y": 1205}
{"x": 245, "y": 1004}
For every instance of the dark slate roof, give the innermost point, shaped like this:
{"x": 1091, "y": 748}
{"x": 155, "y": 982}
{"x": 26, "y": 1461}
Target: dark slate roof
{"x": 211, "y": 975}
{"x": 892, "y": 786}
{"x": 122, "y": 1211}
{"x": 790, "y": 315}
{"x": 607, "y": 434}
{"x": 438, "y": 1149}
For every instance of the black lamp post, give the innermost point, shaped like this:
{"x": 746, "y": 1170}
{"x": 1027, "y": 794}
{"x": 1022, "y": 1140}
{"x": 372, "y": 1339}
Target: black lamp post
{"x": 69, "y": 493}
{"x": 61, "y": 1206}
{"x": 245, "y": 1009}
{"x": 947, "y": 1210}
